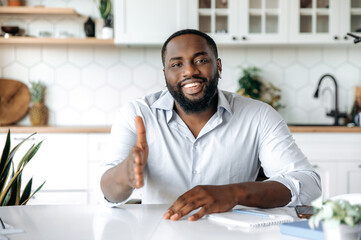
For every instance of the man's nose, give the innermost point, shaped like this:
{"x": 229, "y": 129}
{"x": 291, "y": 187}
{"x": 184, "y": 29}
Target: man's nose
{"x": 189, "y": 70}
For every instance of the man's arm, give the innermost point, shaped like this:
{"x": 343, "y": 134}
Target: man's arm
{"x": 214, "y": 199}
{"x": 118, "y": 182}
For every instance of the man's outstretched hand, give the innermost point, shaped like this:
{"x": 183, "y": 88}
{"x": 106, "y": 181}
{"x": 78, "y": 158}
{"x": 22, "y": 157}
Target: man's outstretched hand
{"x": 137, "y": 157}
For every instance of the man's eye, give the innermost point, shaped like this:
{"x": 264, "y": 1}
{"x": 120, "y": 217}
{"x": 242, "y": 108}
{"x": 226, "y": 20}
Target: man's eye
{"x": 175, "y": 65}
{"x": 203, "y": 60}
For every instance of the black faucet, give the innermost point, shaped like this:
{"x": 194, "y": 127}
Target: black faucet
{"x": 335, "y": 112}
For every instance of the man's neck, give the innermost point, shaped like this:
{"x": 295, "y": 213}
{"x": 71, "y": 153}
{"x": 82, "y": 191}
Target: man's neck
{"x": 196, "y": 121}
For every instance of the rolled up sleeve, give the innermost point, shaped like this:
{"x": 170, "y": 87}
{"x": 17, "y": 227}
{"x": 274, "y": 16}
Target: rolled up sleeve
{"x": 284, "y": 162}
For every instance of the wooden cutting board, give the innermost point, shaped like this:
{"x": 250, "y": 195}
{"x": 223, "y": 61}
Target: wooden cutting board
{"x": 14, "y": 101}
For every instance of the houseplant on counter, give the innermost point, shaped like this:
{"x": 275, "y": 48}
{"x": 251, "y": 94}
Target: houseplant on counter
{"x": 10, "y": 184}
{"x": 38, "y": 113}
{"x": 251, "y": 85}
{"x": 340, "y": 219}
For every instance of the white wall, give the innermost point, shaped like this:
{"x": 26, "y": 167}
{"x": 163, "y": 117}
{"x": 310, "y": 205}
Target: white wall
{"x": 86, "y": 84}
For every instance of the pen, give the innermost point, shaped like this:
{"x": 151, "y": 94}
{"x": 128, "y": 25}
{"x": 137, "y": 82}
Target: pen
{"x": 254, "y": 213}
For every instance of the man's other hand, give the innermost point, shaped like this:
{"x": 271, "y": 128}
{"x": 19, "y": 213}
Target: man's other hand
{"x": 137, "y": 157}
{"x": 211, "y": 199}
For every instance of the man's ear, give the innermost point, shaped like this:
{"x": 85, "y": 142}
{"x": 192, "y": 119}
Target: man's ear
{"x": 219, "y": 67}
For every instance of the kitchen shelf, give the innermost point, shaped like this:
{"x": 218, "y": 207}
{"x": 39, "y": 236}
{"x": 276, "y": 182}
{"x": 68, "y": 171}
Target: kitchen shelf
{"x": 55, "y": 129}
{"x": 56, "y": 41}
{"x": 38, "y": 10}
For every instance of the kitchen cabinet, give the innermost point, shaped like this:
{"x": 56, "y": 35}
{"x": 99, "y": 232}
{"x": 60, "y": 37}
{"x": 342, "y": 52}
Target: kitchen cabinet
{"x": 61, "y": 161}
{"x": 336, "y": 157}
{"x": 242, "y": 21}
{"x": 148, "y": 22}
{"x": 324, "y": 21}
{"x": 43, "y": 11}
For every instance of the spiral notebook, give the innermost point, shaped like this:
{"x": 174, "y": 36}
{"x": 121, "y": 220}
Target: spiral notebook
{"x": 244, "y": 218}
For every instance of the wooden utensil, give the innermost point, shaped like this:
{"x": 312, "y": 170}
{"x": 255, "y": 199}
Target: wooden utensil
{"x": 14, "y": 101}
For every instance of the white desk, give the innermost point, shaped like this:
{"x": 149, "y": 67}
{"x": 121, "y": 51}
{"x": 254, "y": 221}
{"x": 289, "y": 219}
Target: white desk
{"x": 67, "y": 222}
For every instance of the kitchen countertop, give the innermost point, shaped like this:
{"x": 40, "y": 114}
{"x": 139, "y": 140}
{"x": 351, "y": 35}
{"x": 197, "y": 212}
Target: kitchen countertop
{"x": 106, "y": 129}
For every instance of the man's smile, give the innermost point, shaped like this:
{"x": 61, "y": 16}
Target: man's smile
{"x": 191, "y": 87}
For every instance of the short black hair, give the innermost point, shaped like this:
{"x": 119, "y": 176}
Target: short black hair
{"x": 209, "y": 40}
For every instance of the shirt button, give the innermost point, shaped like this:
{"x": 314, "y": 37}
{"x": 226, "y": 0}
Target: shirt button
{"x": 194, "y": 172}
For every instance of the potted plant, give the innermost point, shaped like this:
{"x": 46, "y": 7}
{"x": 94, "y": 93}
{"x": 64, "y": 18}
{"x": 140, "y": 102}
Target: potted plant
{"x": 340, "y": 219}
{"x": 10, "y": 178}
{"x": 105, "y": 8}
{"x": 250, "y": 85}
{"x": 38, "y": 113}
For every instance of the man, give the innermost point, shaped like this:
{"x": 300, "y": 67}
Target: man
{"x": 200, "y": 147}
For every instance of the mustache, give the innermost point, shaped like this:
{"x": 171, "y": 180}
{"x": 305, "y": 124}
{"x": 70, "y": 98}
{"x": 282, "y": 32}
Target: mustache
{"x": 193, "y": 77}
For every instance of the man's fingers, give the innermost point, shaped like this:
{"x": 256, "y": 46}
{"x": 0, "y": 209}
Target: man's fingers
{"x": 141, "y": 137}
{"x": 199, "y": 214}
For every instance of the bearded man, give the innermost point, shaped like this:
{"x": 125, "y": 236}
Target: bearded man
{"x": 195, "y": 146}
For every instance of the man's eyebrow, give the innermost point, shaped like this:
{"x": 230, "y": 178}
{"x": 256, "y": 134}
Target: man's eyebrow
{"x": 200, "y": 53}
{"x": 175, "y": 58}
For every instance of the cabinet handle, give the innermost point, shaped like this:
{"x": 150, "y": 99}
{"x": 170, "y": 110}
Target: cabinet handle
{"x": 22, "y": 138}
{"x": 335, "y": 37}
{"x": 345, "y": 37}
{"x": 244, "y": 38}
{"x": 234, "y": 38}
{"x": 359, "y": 166}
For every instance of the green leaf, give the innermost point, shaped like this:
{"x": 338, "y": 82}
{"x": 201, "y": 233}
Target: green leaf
{"x": 26, "y": 192}
{"x": 10, "y": 183}
{"x": 22, "y": 160}
{"x": 33, "y": 193}
{"x": 12, "y": 153}
{"x": 30, "y": 154}
{"x": 13, "y": 190}
{"x": 5, "y": 153}
{"x": 5, "y": 176}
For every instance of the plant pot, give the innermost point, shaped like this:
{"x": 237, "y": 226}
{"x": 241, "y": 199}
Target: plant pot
{"x": 341, "y": 232}
{"x": 107, "y": 32}
{"x": 15, "y": 3}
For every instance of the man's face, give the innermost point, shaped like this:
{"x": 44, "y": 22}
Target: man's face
{"x": 191, "y": 72}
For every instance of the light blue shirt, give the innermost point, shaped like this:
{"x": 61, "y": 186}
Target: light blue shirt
{"x": 241, "y": 136}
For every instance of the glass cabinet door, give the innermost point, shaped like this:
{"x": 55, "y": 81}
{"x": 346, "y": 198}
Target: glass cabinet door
{"x": 213, "y": 16}
{"x": 355, "y": 19}
{"x": 350, "y": 18}
{"x": 264, "y": 21}
{"x": 244, "y": 20}
{"x": 314, "y": 20}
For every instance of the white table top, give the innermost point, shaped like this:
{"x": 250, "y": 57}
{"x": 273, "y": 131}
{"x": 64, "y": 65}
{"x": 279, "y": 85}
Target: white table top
{"x": 67, "y": 222}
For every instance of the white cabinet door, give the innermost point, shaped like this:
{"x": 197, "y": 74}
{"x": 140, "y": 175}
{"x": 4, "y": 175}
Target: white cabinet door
{"x": 61, "y": 161}
{"x": 263, "y": 21}
{"x": 328, "y": 174}
{"x": 324, "y": 21}
{"x": 242, "y": 21}
{"x": 98, "y": 144}
{"x": 148, "y": 22}
{"x": 350, "y": 177}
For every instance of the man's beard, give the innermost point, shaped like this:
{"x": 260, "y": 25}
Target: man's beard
{"x": 199, "y": 105}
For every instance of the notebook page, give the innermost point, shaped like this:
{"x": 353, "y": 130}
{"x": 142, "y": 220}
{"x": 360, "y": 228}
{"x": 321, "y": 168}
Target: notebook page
{"x": 233, "y": 219}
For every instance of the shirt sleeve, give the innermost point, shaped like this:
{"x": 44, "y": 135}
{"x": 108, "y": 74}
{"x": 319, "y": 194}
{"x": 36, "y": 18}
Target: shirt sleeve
{"x": 284, "y": 162}
{"x": 122, "y": 139}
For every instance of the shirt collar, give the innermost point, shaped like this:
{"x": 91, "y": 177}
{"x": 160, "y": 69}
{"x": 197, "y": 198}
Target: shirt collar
{"x": 166, "y": 102}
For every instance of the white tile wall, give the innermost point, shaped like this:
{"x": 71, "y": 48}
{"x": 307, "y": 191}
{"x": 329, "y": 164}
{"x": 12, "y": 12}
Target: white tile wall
{"x": 87, "y": 84}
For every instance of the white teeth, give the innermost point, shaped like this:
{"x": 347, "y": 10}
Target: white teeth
{"x": 189, "y": 85}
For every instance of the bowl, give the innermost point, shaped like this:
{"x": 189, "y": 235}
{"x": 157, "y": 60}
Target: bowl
{"x": 10, "y": 29}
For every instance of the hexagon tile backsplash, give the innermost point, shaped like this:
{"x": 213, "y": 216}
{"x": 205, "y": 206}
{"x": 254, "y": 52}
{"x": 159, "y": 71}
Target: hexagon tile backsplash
{"x": 87, "y": 84}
